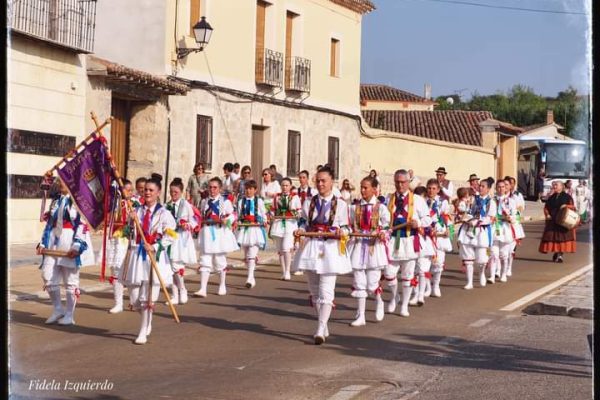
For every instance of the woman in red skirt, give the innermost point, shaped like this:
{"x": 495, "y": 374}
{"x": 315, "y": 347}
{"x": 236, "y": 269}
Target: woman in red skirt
{"x": 557, "y": 239}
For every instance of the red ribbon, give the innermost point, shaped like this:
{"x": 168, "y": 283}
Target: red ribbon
{"x": 181, "y": 271}
{"x": 112, "y": 279}
{"x": 428, "y": 275}
{"x": 414, "y": 282}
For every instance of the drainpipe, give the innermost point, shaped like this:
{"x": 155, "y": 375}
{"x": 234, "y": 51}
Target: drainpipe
{"x": 166, "y": 182}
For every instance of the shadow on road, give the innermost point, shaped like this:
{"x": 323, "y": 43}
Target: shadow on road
{"x": 462, "y": 353}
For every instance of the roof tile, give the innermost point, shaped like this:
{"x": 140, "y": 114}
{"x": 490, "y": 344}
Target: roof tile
{"x": 455, "y": 126}
{"x": 376, "y": 92}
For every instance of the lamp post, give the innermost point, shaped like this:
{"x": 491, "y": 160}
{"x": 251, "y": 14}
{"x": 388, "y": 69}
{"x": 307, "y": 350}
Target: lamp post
{"x": 202, "y": 33}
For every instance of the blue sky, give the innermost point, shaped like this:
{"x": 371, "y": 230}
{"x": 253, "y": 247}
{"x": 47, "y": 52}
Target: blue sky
{"x": 466, "y": 49}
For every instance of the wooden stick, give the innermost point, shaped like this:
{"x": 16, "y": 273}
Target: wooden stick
{"x": 249, "y": 224}
{"x": 399, "y": 226}
{"x": 54, "y": 253}
{"x": 283, "y": 217}
{"x": 364, "y": 235}
{"x": 138, "y": 227}
{"x": 316, "y": 234}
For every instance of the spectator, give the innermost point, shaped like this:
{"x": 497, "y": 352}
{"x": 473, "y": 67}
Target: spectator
{"x": 539, "y": 184}
{"x": 197, "y": 185}
{"x": 269, "y": 188}
{"x": 474, "y": 184}
{"x": 346, "y": 191}
{"x": 569, "y": 187}
{"x": 227, "y": 179}
{"x": 235, "y": 174}
{"x": 276, "y": 175}
{"x": 239, "y": 185}
{"x": 446, "y": 187}
{"x": 556, "y": 238}
{"x": 414, "y": 180}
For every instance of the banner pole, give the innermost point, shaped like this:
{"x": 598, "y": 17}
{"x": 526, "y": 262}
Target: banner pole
{"x": 136, "y": 222}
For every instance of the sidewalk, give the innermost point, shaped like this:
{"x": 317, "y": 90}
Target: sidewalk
{"x": 574, "y": 299}
{"x": 25, "y": 282}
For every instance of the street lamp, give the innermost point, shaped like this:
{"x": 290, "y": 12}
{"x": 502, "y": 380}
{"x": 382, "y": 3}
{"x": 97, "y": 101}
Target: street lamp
{"x": 202, "y": 33}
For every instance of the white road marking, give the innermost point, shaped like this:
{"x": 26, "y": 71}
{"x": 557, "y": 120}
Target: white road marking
{"x": 348, "y": 392}
{"x": 534, "y": 295}
{"x": 480, "y": 322}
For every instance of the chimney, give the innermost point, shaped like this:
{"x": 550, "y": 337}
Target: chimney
{"x": 427, "y": 91}
{"x": 549, "y": 117}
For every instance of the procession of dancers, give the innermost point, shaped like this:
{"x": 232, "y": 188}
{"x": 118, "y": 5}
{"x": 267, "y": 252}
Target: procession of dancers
{"x": 395, "y": 243}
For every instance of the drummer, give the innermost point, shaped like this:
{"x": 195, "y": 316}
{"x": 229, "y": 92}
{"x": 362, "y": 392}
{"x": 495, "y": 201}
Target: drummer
{"x": 556, "y": 238}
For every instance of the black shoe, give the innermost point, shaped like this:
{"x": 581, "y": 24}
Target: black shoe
{"x": 559, "y": 260}
{"x": 319, "y": 340}
{"x": 555, "y": 257}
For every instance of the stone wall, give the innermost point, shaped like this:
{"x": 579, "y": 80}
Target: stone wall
{"x": 233, "y": 119}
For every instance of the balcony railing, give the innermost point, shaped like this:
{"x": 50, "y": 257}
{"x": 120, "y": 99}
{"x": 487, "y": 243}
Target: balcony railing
{"x": 269, "y": 67}
{"x": 68, "y": 23}
{"x": 297, "y": 74}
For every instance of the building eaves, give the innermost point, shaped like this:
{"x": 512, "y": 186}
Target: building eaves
{"x": 359, "y": 6}
{"x": 377, "y": 92}
{"x": 135, "y": 79}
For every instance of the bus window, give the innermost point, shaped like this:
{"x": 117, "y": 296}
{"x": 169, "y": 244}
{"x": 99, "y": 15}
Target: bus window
{"x": 564, "y": 160}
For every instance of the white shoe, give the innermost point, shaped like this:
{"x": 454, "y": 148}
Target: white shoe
{"x": 183, "y": 296}
{"x": 287, "y": 276}
{"x": 468, "y": 286}
{"x": 222, "y": 290}
{"x": 250, "y": 284}
{"x": 379, "y": 313}
{"x": 436, "y": 292}
{"x": 141, "y": 339}
{"x": 413, "y": 300}
{"x": 172, "y": 302}
{"x": 404, "y": 312}
{"x": 491, "y": 280}
{"x": 482, "y": 280}
{"x": 67, "y": 320}
{"x": 56, "y": 315}
{"x": 509, "y": 273}
{"x": 359, "y": 321}
{"x": 428, "y": 289}
{"x": 116, "y": 309}
{"x": 503, "y": 278}
{"x": 200, "y": 293}
{"x": 298, "y": 273}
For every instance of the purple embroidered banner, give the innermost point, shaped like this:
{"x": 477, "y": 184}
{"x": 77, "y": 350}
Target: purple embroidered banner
{"x": 85, "y": 176}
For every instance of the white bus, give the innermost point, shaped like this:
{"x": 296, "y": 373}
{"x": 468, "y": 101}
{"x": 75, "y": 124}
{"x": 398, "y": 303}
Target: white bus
{"x": 560, "y": 159}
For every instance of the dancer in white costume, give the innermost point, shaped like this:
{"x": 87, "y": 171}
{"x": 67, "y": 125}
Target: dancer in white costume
{"x": 216, "y": 237}
{"x": 183, "y": 252}
{"x": 475, "y": 236}
{"x": 284, "y": 221}
{"x": 251, "y": 210}
{"x": 368, "y": 255}
{"x": 323, "y": 259}
{"x": 408, "y": 213}
{"x": 504, "y": 233}
{"x": 583, "y": 199}
{"x": 158, "y": 226}
{"x": 65, "y": 231}
{"x": 439, "y": 211}
{"x": 117, "y": 245}
{"x": 517, "y": 224}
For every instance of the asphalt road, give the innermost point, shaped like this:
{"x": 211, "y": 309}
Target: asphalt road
{"x": 257, "y": 344}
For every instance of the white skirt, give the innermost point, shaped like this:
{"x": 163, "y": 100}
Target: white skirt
{"x": 476, "y": 237}
{"x": 279, "y": 230}
{"x": 116, "y": 249}
{"x": 216, "y": 240}
{"x": 363, "y": 256}
{"x": 322, "y": 257}
{"x": 251, "y": 236}
{"x": 64, "y": 243}
{"x": 504, "y": 234}
{"x": 443, "y": 244}
{"x": 405, "y": 251}
{"x": 427, "y": 247}
{"x": 138, "y": 270}
{"x": 519, "y": 231}
{"x": 183, "y": 251}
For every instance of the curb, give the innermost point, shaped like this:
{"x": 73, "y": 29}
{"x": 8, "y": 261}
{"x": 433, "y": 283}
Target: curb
{"x": 564, "y": 311}
{"x": 105, "y": 287}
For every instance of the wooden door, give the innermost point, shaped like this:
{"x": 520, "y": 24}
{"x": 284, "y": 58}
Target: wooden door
{"x": 119, "y": 132}
{"x": 257, "y": 151}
